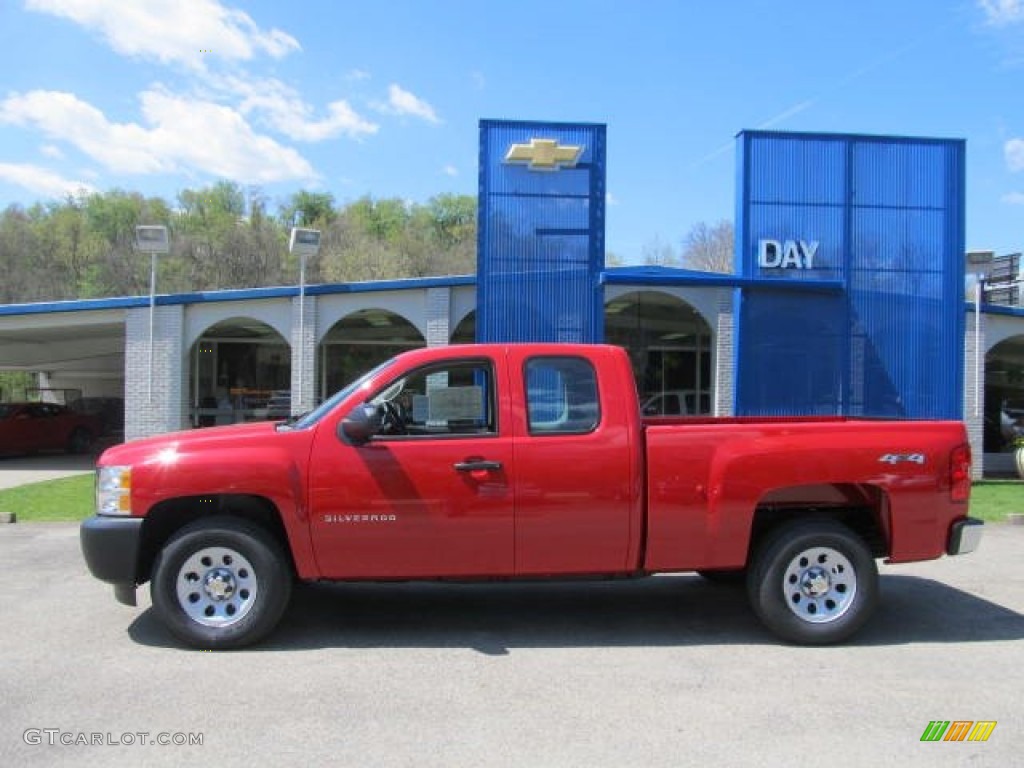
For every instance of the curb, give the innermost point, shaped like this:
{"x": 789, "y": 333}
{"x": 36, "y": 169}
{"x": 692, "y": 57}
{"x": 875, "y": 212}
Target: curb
{"x": 8, "y": 517}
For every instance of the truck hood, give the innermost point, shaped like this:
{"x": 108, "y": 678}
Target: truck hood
{"x": 149, "y": 449}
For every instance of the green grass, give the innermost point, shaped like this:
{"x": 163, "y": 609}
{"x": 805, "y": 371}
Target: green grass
{"x": 993, "y": 500}
{"x": 71, "y": 498}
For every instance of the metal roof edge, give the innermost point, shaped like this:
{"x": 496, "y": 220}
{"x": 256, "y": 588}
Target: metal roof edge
{"x": 685, "y": 277}
{"x": 232, "y": 294}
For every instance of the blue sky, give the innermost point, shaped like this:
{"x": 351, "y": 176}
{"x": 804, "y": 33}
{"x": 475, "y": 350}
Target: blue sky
{"x": 383, "y": 98}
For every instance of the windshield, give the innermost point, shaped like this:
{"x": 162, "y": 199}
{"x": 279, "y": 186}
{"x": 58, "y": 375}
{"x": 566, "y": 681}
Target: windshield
{"x": 311, "y": 418}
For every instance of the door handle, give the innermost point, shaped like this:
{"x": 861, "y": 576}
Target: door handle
{"x": 476, "y": 466}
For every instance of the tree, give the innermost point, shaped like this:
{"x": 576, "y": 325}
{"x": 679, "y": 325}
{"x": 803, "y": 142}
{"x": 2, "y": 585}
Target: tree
{"x": 18, "y": 247}
{"x": 116, "y": 269}
{"x": 222, "y": 246}
{"x": 659, "y": 254}
{"x": 308, "y": 209}
{"x": 14, "y": 385}
{"x": 709, "y": 248}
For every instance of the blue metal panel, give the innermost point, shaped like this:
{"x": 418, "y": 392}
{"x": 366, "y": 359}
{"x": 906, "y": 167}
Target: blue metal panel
{"x": 887, "y": 217}
{"x": 796, "y": 186}
{"x": 793, "y": 362}
{"x": 906, "y": 277}
{"x": 540, "y": 236}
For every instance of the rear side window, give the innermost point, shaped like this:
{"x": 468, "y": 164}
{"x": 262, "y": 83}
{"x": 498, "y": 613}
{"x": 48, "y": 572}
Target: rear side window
{"x": 561, "y": 396}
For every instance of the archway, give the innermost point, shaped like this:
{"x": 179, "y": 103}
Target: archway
{"x": 1004, "y": 396}
{"x": 670, "y": 347}
{"x": 465, "y": 331}
{"x": 359, "y": 342}
{"x": 240, "y": 370}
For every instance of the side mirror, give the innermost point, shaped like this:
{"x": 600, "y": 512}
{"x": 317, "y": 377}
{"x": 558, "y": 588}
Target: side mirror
{"x": 361, "y": 424}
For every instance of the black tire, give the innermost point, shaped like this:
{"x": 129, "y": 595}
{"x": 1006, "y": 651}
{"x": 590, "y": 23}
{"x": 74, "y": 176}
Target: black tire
{"x": 813, "y": 582}
{"x": 221, "y": 583}
{"x": 726, "y": 577}
{"x": 81, "y": 440}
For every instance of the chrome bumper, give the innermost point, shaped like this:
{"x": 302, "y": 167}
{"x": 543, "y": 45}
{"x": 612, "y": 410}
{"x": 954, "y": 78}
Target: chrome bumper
{"x": 965, "y": 536}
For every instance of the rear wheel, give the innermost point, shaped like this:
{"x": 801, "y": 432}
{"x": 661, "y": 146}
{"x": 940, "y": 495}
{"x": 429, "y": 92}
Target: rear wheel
{"x": 813, "y": 582}
{"x": 221, "y": 583}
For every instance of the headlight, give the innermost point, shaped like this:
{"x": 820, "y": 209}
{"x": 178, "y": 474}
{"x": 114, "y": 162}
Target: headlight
{"x": 114, "y": 490}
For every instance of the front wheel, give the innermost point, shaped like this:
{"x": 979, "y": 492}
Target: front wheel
{"x": 813, "y": 583}
{"x": 221, "y": 583}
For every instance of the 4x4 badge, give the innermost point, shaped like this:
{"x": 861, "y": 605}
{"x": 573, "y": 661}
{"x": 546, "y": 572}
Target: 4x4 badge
{"x": 899, "y": 458}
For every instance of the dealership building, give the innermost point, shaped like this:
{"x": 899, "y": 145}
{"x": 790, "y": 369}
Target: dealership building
{"x": 848, "y": 298}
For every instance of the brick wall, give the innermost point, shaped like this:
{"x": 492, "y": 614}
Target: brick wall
{"x": 155, "y": 383}
{"x": 303, "y": 343}
{"x": 438, "y": 303}
{"x": 974, "y": 392}
{"x": 725, "y": 374}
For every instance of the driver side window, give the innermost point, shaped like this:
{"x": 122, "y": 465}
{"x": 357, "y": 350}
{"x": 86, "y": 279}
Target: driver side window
{"x": 453, "y": 399}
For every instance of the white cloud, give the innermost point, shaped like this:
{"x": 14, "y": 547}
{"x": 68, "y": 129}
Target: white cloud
{"x": 479, "y": 81}
{"x": 450, "y": 170}
{"x": 402, "y": 102}
{"x": 124, "y": 147}
{"x": 182, "y": 31}
{"x": 357, "y": 74}
{"x": 286, "y": 112}
{"x": 40, "y": 181}
{"x": 1014, "y": 198}
{"x": 1002, "y": 12}
{"x": 610, "y": 199}
{"x": 1014, "y": 151}
{"x": 51, "y": 151}
{"x": 181, "y": 134}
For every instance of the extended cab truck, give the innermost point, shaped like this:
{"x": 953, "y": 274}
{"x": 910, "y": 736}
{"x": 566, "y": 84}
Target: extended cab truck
{"x": 507, "y": 461}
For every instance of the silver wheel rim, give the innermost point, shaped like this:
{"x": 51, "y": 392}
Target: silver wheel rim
{"x": 216, "y": 587}
{"x": 819, "y": 585}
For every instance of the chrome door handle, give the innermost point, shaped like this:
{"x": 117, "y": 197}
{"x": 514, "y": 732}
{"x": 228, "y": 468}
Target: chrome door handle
{"x": 477, "y": 466}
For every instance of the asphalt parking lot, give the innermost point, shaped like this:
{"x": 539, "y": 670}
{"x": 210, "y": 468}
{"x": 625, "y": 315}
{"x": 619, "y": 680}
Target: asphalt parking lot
{"x": 667, "y": 671}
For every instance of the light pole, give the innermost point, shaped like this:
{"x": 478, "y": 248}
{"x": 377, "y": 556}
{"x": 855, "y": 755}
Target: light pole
{"x": 152, "y": 240}
{"x": 303, "y": 243}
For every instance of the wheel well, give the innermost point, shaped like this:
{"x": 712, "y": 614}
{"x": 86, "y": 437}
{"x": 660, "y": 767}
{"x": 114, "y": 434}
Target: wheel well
{"x": 862, "y": 509}
{"x": 168, "y": 517}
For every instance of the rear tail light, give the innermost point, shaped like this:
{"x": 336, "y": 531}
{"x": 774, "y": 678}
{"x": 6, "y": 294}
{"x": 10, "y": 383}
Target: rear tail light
{"x": 960, "y": 473}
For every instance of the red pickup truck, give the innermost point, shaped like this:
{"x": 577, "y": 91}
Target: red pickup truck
{"x": 510, "y": 461}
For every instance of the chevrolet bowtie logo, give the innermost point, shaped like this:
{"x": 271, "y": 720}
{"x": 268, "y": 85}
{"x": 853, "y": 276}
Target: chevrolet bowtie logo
{"x": 544, "y": 155}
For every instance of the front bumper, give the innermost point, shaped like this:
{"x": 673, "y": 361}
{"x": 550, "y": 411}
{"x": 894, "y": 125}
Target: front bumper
{"x": 110, "y": 546}
{"x": 964, "y": 536}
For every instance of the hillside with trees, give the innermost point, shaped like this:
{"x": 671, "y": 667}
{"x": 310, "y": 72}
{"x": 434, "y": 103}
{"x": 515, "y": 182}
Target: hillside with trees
{"x": 224, "y": 236}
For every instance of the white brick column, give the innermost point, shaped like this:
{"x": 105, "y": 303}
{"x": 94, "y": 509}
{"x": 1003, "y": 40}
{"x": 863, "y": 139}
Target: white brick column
{"x": 725, "y": 373}
{"x": 438, "y": 316}
{"x": 974, "y": 389}
{"x": 154, "y": 379}
{"x": 303, "y": 343}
